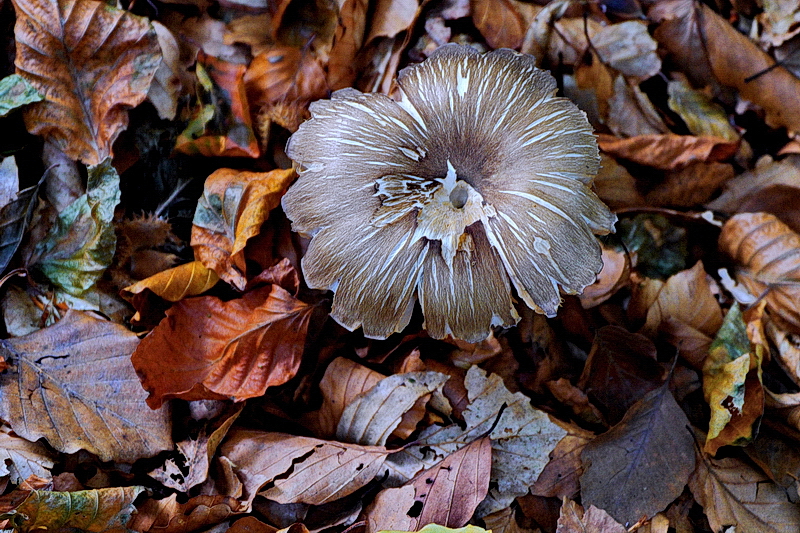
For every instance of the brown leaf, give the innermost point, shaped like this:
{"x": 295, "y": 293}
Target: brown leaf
{"x": 668, "y": 151}
{"x": 169, "y": 516}
{"x": 73, "y": 385}
{"x": 620, "y": 369}
{"x": 66, "y": 48}
{"x": 251, "y": 524}
{"x": 499, "y": 23}
{"x": 628, "y": 48}
{"x": 713, "y": 50}
{"x": 168, "y": 80}
{"x": 284, "y": 74}
{"x": 733, "y": 493}
{"x": 642, "y": 464}
{"x": 290, "y": 469}
{"x": 209, "y": 348}
{"x": 347, "y": 41}
{"x": 614, "y": 276}
{"x": 389, "y": 510}
{"x": 630, "y": 112}
{"x": 573, "y": 519}
{"x": 615, "y": 185}
{"x": 21, "y": 458}
{"x": 788, "y": 350}
{"x": 691, "y": 185}
{"x": 392, "y": 17}
{"x": 233, "y": 207}
{"x": 769, "y": 253}
{"x": 560, "y": 477}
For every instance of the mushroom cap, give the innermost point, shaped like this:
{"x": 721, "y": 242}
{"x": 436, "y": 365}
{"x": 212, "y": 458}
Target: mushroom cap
{"x": 475, "y": 179}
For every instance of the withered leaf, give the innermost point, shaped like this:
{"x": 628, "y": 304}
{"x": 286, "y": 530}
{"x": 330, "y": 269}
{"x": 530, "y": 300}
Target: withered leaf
{"x": 521, "y": 440}
{"x": 209, "y": 348}
{"x": 628, "y": 48}
{"x": 667, "y": 151}
{"x": 14, "y": 219}
{"x": 107, "y": 510}
{"x": 233, "y": 207}
{"x": 16, "y": 91}
{"x": 291, "y": 469}
{"x": 701, "y": 115}
{"x": 21, "y": 458}
{"x": 572, "y": 519}
{"x": 560, "y": 477}
{"x": 651, "y": 443}
{"x": 769, "y": 254}
{"x": 72, "y": 383}
{"x": 169, "y": 516}
{"x": 733, "y": 493}
{"x": 499, "y": 22}
{"x": 372, "y": 417}
{"x": 284, "y": 74}
{"x": 64, "y": 49}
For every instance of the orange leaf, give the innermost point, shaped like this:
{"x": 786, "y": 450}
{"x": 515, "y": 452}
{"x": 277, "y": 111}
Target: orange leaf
{"x": 284, "y": 73}
{"x": 769, "y": 252}
{"x": 499, "y": 22}
{"x": 92, "y": 62}
{"x": 668, "y": 151}
{"x": 233, "y": 207}
{"x": 209, "y": 348}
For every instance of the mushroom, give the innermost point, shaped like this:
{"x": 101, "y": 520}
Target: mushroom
{"x": 475, "y": 178}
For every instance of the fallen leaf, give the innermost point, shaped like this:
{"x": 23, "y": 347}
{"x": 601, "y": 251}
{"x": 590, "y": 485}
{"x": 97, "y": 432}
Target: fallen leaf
{"x": 733, "y": 493}
{"x": 499, "y": 22}
{"x": 699, "y": 112}
{"x": 667, "y": 151}
{"x": 106, "y": 510}
{"x": 348, "y": 39}
{"x": 522, "y": 438}
{"x": 628, "y": 48}
{"x": 560, "y": 478}
{"x": 284, "y": 74}
{"x": 390, "y": 508}
{"x": 64, "y": 49}
{"x": 614, "y": 276}
{"x": 642, "y": 464}
{"x": 392, "y": 17}
{"x": 713, "y": 50}
{"x": 630, "y": 112}
{"x": 690, "y": 186}
{"x": 732, "y": 384}
{"x": 615, "y": 185}
{"x": 290, "y": 469}
{"x": 14, "y": 219}
{"x": 21, "y": 459}
{"x": 788, "y": 350}
{"x": 207, "y": 348}
{"x": 167, "y": 80}
{"x": 373, "y": 415}
{"x": 169, "y": 516}
{"x": 80, "y": 247}
{"x": 73, "y": 385}
{"x": 620, "y": 369}
{"x": 16, "y": 91}
{"x": 573, "y": 519}
{"x": 233, "y": 207}
{"x": 251, "y": 524}
{"x": 659, "y": 245}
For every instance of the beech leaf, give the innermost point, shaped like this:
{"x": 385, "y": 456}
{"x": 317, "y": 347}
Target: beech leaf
{"x": 169, "y": 516}
{"x": 292, "y": 469}
{"x": 572, "y": 519}
{"x": 14, "y": 219}
{"x": 16, "y": 91}
{"x": 372, "y": 417}
{"x": 64, "y": 49}
{"x": 207, "y": 348}
{"x": 24, "y": 458}
{"x": 652, "y": 442}
{"x": 80, "y": 247}
{"x": 72, "y": 383}
{"x": 107, "y": 510}
{"x": 233, "y": 207}
{"x": 522, "y": 439}
{"x": 733, "y": 493}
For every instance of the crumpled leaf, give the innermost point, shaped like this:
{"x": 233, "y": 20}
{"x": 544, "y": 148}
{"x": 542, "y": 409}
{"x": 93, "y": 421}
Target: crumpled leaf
{"x": 169, "y": 516}
{"x": 628, "y": 48}
{"x": 630, "y": 112}
{"x": 167, "y": 80}
{"x": 702, "y": 116}
{"x": 651, "y": 443}
{"x": 284, "y": 74}
{"x": 233, "y": 207}
{"x": 21, "y": 458}
{"x": 107, "y": 510}
{"x": 290, "y": 469}
{"x": 667, "y": 151}
{"x": 81, "y": 246}
{"x": 714, "y": 51}
{"x": 372, "y": 416}
{"x": 221, "y": 125}
{"x": 72, "y": 384}
{"x": 64, "y": 49}
{"x": 15, "y": 92}
{"x": 572, "y": 519}
{"x": 614, "y": 276}
{"x": 732, "y": 384}
{"x": 207, "y": 348}
{"x": 14, "y": 219}
{"x": 447, "y": 493}
{"x": 733, "y": 493}
{"x": 521, "y": 440}
{"x": 769, "y": 253}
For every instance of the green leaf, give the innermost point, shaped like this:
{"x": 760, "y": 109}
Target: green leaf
{"x": 106, "y": 510}
{"x": 81, "y": 245}
{"x": 434, "y": 528}
{"x": 16, "y": 91}
{"x": 661, "y": 248}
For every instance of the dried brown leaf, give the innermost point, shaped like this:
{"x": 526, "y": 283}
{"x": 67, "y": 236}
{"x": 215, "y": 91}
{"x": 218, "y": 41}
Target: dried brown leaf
{"x": 499, "y": 22}
{"x": 614, "y": 276}
{"x": 560, "y": 478}
{"x": 169, "y": 516}
{"x": 573, "y": 519}
{"x": 21, "y": 458}
{"x": 232, "y": 209}
{"x": 733, "y": 493}
{"x": 691, "y": 185}
{"x": 207, "y": 348}
{"x": 284, "y": 74}
{"x": 768, "y": 252}
{"x": 290, "y": 469}
{"x": 628, "y": 48}
{"x": 651, "y": 443}
{"x": 73, "y": 385}
{"x": 668, "y": 151}
{"x": 615, "y": 185}
{"x": 66, "y": 48}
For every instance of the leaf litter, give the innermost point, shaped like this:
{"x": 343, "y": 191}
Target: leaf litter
{"x": 159, "y": 332}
